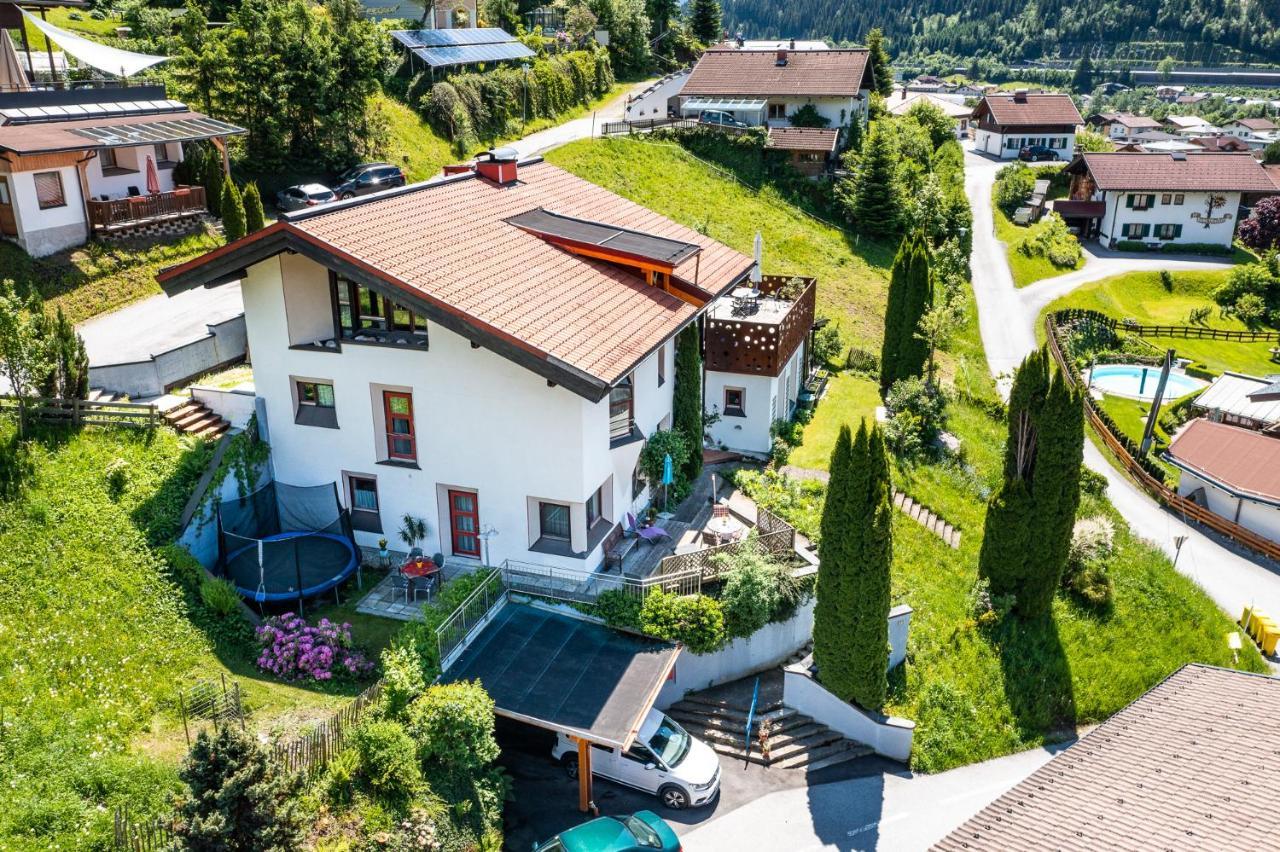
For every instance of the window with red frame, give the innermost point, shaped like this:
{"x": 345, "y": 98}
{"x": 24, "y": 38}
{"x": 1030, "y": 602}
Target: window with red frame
{"x": 398, "y": 408}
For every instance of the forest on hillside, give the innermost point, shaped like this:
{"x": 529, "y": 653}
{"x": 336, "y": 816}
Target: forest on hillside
{"x": 1209, "y": 32}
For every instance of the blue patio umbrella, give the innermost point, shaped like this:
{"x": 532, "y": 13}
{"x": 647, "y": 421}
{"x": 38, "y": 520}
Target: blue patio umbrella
{"x": 668, "y": 477}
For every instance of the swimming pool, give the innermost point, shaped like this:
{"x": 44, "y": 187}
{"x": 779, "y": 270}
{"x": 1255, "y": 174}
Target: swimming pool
{"x": 1138, "y": 382}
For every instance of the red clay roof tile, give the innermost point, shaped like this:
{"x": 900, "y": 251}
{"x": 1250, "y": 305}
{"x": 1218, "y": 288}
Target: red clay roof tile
{"x": 1035, "y": 108}
{"x": 803, "y": 138}
{"x": 744, "y": 73}
{"x": 1243, "y": 460}
{"x": 1219, "y": 171}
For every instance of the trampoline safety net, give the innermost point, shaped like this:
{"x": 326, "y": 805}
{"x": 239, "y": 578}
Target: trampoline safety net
{"x": 284, "y": 542}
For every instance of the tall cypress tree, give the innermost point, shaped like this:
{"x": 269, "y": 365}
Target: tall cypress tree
{"x": 233, "y": 219}
{"x": 686, "y": 415}
{"x": 704, "y": 20}
{"x": 1027, "y": 534}
{"x": 880, "y": 67}
{"x": 212, "y": 177}
{"x": 904, "y": 354}
{"x": 850, "y": 629}
{"x": 877, "y": 195}
{"x": 254, "y": 219}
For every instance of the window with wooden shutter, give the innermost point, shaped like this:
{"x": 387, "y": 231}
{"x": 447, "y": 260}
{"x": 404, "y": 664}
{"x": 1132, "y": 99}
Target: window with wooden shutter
{"x": 49, "y": 192}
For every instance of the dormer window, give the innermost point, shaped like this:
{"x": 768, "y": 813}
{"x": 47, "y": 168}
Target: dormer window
{"x": 365, "y": 316}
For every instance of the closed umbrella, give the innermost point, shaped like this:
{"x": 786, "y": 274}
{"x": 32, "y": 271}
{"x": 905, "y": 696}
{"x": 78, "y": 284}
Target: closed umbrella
{"x": 153, "y": 178}
{"x": 668, "y": 477}
{"x": 12, "y": 77}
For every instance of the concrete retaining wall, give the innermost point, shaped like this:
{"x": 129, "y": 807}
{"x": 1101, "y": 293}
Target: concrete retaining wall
{"x": 888, "y": 735}
{"x": 225, "y": 343}
{"x": 234, "y": 406}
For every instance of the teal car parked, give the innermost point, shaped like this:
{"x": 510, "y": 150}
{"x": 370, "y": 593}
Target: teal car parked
{"x": 643, "y": 831}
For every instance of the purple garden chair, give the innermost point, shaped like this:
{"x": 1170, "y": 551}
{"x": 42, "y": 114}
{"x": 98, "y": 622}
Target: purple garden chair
{"x": 649, "y": 534}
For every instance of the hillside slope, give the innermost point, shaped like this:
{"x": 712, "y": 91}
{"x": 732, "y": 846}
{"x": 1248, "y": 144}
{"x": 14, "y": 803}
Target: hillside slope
{"x": 1204, "y": 31}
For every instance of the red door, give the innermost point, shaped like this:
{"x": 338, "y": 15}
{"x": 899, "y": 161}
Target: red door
{"x": 464, "y": 520}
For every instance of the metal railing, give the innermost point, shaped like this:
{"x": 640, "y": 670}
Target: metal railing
{"x": 578, "y": 586}
{"x": 471, "y": 613}
{"x": 140, "y": 208}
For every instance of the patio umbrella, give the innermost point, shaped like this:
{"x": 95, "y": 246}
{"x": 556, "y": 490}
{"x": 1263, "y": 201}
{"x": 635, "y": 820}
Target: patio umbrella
{"x": 153, "y": 179}
{"x": 668, "y": 477}
{"x": 12, "y": 77}
{"x": 756, "y": 273}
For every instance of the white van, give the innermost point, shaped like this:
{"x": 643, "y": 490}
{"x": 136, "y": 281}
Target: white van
{"x": 663, "y": 759}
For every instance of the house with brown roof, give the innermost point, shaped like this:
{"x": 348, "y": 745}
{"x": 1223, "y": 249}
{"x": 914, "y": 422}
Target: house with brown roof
{"x": 1232, "y": 471}
{"x": 96, "y": 162}
{"x": 1166, "y": 198}
{"x": 490, "y": 350}
{"x": 1007, "y": 122}
{"x": 952, "y": 106}
{"x": 811, "y": 149}
{"x": 1122, "y": 125}
{"x": 760, "y": 87}
{"x": 1257, "y": 132}
{"x": 1189, "y": 766}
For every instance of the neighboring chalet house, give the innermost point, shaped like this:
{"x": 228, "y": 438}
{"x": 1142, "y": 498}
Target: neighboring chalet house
{"x": 1005, "y": 123}
{"x": 89, "y": 162}
{"x": 453, "y": 15}
{"x": 1258, "y": 133}
{"x": 767, "y": 87}
{"x": 1231, "y": 471}
{"x": 1123, "y": 125}
{"x": 957, "y": 112}
{"x": 1190, "y": 765}
{"x": 811, "y": 149}
{"x": 1165, "y": 198}
{"x": 1241, "y": 400}
{"x": 488, "y": 350}
{"x": 1226, "y": 143}
{"x": 1190, "y": 125}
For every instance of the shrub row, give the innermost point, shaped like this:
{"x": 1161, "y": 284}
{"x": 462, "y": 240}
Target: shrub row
{"x": 1176, "y": 248}
{"x": 483, "y": 105}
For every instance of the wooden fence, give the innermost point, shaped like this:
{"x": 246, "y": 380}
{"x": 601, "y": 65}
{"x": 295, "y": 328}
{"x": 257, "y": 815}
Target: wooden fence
{"x": 153, "y": 835}
{"x": 310, "y": 753}
{"x": 645, "y": 125}
{"x": 776, "y": 538}
{"x": 83, "y": 412}
{"x": 1191, "y": 332}
{"x": 1190, "y": 510}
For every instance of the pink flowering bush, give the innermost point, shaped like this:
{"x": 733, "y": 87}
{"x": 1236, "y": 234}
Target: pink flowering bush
{"x": 292, "y": 649}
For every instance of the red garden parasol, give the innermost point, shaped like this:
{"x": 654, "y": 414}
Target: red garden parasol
{"x": 153, "y": 179}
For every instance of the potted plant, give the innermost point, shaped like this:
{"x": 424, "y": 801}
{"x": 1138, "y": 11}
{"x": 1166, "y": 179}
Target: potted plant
{"x": 413, "y": 531}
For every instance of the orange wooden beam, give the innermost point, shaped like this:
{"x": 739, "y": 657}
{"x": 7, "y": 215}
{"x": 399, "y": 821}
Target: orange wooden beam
{"x": 585, "y": 802}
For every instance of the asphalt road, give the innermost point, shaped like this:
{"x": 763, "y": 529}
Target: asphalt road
{"x": 1006, "y": 318}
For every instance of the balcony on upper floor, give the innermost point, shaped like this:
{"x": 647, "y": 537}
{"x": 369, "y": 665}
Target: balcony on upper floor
{"x": 756, "y": 331}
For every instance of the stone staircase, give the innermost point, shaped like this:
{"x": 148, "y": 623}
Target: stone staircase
{"x": 193, "y": 418}
{"x": 928, "y": 519}
{"x": 101, "y": 395}
{"x": 718, "y": 717}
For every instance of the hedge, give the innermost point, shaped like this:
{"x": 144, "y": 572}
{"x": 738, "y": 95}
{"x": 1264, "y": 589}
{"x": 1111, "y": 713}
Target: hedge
{"x": 1175, "y": 248}
{"x": 483, "y": 105}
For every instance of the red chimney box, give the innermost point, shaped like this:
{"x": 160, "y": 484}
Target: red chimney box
{"x": 501, "y": 167}
{"x": 782, "y": 58}
{"x": 1020, "y": 96}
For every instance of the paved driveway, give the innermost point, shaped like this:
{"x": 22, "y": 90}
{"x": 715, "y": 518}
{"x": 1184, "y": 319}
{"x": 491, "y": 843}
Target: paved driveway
{"x": 1006, "y": 318}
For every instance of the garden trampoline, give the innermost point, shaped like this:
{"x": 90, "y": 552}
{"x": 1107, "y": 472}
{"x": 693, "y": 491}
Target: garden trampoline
{"x": 286, "y": 542}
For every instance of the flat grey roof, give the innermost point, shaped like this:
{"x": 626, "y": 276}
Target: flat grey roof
{"x": 565, "y": 673}
{"x": 609, "y": 237}
{"x": 158, "y": 324}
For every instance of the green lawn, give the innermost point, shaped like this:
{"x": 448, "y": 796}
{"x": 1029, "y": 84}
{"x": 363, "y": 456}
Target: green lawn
{"x": 1026, "y": 270}
{"x": 850, "y": 398}
{"x": 1140, "y": 296}
{"x": 99, "y": 277}
{"x": 852, "y": 274}
{"x": 97, "y": 635}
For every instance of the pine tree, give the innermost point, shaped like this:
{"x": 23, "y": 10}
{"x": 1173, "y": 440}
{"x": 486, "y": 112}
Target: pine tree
{"x": 68, "y": 362}
{"x": 704, "y": 20}
{"x": 1027, "y": 534}
{"x": 850, "y": 630}
{"x": 254, "y": 218}
{"x": 1082, "y": 80}
{"x": 233, "y": 216}
{"x": 904, "y": 353}
{"x": 661, "y": 13}
{"x": 880, "y": 67}
{"x": 238, "y": 798}
{"x": 686, "y": 404}
{"x": 877, "y": 196}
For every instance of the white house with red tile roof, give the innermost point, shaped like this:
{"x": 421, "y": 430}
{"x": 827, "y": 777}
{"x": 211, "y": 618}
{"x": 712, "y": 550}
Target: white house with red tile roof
{"x": 767, "y": 87}
{"x": 1161, "y": 198}
{"x": 1257, "y": 132}
{"x": 486, "y": 350}
{"x": 1232, "y": 471}
{"x": 1006, "y": 122}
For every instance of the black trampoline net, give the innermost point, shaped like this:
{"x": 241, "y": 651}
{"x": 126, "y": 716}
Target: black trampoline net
{"x": 285, "y": 541}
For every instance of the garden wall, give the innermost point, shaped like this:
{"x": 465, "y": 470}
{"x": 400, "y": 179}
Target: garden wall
{"x": 890, "y": 736}
{"x": 234, "y": 406}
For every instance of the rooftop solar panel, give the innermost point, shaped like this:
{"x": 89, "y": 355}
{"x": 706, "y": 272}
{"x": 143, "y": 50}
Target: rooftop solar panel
{"x": 440, "y": 57}
{"x": 452, "y": 38}
{"x": 609, "y": 237}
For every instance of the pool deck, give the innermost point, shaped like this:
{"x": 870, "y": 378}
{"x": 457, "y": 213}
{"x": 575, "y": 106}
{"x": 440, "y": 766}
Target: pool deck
{"x": 1185, "y": 384}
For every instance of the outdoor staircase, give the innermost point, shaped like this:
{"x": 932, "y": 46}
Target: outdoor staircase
{"x": 101, "y": 395}
{"x": 796, "y": 741}
{"x": 193, "y": 418}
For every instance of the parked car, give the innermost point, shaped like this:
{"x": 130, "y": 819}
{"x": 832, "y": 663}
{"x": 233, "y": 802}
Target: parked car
{"x": 368, "y": 178}
{"x": 304, "y": 195}
{"x": 664, "y": 759}
{"x": 720, "y": 119}
{"x": 642, "y": 831}
{"x": 1037, "y": 152}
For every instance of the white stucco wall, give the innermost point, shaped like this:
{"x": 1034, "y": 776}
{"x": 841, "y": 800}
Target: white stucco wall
{"x": 1262, "y": 518}
{"x": 655, "y": 101}
{"x": 837, "y": 110}
{"x": 749, "y": 433}
{"x": 888, "y": 735}
{"x": 1220, "y": 233}
{"x": 135, "y": 158}
{"x": 43, "y": 232}
{"x": 482, "y": 423}
{"x": 997, "y": 144}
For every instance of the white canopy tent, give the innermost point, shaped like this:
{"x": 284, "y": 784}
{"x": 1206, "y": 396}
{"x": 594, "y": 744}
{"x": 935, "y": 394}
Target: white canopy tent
{"x": 110, "y": 60}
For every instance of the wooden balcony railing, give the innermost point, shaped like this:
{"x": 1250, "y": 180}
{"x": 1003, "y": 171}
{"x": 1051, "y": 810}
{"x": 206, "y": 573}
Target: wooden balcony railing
{"x": 183, "y": 201}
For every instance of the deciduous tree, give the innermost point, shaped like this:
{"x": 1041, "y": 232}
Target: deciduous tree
{"x": 1261, "y": 230}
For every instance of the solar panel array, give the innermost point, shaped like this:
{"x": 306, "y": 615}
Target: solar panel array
{"x": 78, "y": 112}
{"x": 467, "y": 46}
{"x": 182, "y": 130}
{"x": 452, "y": 38}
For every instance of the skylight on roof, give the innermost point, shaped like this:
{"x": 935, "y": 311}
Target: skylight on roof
{"x": 608, "y": 238}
